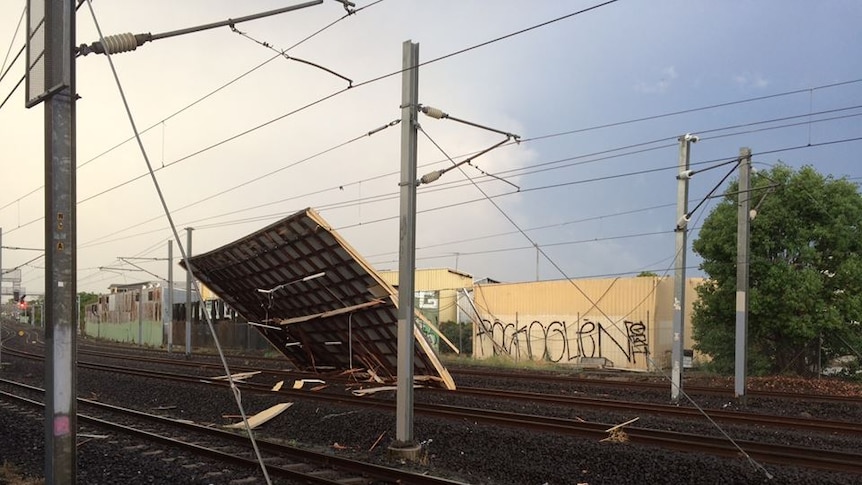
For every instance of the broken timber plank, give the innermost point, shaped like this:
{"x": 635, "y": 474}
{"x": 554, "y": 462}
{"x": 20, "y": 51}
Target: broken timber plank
{"x": 261, "y": 417}
{"x": 237, "y": 377}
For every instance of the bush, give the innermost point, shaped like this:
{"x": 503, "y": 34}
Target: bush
{"x": 460, "y": 335}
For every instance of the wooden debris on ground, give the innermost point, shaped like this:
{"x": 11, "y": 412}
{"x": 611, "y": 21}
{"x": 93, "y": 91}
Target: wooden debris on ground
{"x": 337, "y": 415}
{"x": 374, "y": 377}
{"x": 616, "y": 434}
{"x": 377, "y": 441}
{"x": 261, "y": 417}
{"x": 373, "y": 390}
{"x": 297, "y": 384}
{"x": 237, "y": 377}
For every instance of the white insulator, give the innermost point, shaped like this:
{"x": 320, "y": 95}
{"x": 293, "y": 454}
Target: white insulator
{"x": 115, "y": 44}
{"x": 432, "y": 176}
{"x": 685, "y": 174}
{"x": 434, "y": 112}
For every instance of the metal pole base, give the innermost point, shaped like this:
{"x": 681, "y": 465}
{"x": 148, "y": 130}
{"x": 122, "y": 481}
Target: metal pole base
{"x": 405, "y": 451}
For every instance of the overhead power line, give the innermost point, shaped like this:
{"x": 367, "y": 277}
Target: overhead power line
{"x": 456, "y": 184}
{"x": 336, "y": 93}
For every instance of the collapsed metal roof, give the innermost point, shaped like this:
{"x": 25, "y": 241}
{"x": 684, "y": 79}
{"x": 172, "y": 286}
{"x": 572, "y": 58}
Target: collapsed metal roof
{"x": 315, "y": 299}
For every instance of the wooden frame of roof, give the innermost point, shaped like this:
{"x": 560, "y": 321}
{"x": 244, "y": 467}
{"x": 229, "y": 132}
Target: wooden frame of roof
{"x": 345, "y": 318}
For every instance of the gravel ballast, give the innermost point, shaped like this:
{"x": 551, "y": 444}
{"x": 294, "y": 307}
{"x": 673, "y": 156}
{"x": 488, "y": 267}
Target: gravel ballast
{"x": 460, "y": 450}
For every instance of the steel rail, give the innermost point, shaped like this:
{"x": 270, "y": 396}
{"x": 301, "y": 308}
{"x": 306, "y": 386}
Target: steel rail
{"x": 329, "y": 461}
{"x": 815, "y": 425}
{"x": 574, "y": 380}
{"x": 818, "y": 425}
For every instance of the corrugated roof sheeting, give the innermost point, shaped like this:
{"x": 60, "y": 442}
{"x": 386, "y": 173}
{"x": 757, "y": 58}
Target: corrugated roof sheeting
{"x": 433, "y": 279}
{"x": 272, "y": 277}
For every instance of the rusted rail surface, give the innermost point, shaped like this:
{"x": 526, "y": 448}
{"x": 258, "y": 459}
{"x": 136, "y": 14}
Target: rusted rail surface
{"x": 282, "y": 460}
{"x": 769, "y": 453}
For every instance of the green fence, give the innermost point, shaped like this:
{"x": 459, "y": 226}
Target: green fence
{"x": 148, "y": 332}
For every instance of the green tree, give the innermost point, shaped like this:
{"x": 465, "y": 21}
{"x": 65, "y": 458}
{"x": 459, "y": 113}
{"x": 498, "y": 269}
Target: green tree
{"x": 86, "y": 299}
{"x": 647, "y": 274}
{"x": 805, "y": 273}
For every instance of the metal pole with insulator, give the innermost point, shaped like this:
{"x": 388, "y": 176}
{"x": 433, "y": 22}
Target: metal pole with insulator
{"x": 404, "y": 445}
{"x": 678, "y": 337}
{"x": 743, "y": 227}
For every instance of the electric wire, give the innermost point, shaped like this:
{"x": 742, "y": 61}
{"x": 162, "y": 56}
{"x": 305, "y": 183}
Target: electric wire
{"x": 716, "y": 187}
{"x": 336, "y": 93}
{"x": 840, "y": 83}
{"x": 284, "y": 54}
{"x": 545, "y": 245}
{"x": 616, "y": 149}
{"x": 381, "y": 198}
{"x": 535, "y": 228}
{"x": 260, "y": 177}
{"x": 392, "y": 196}
{"x": 12, "y": 41}
{"x": 193, "y": 103}
{"x": 486, "y": 43}
{"x": 701, "y": 108}
{"x": 593, "y": 303}
{"x": 3, "y": 76}
{"x": 15, "y": 88}
{"x": 236, "y": 391}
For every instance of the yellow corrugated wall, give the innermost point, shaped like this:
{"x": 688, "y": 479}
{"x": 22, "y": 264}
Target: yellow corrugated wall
{"x": 618, "y": 319}
{"x": 446, "y": 281}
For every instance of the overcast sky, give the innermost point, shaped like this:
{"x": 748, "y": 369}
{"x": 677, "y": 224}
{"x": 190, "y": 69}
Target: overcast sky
{"x": 571, "y": 89}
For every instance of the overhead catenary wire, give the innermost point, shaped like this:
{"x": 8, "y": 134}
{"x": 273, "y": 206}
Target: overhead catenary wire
{"x": 391, "y": 196}
{"x": 388, "y": 197}
{"x": 12, "y": 41}
{"x": 586, "y": 296}
{"x": 264, "y": 176}
{"x": 545, "y": 245}
{"x": 196, "y": 101}
{"x": 383, "y": 197}
{"x": 531, "y": 139}
{"x": 526, "y": 170}
{"x": 367, "y": 82}
{"x": 236, "y": 391}
{"x": 284, "y": 54}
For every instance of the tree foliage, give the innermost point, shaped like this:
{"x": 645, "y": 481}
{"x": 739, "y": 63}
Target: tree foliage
{"x": 805, "y": 273}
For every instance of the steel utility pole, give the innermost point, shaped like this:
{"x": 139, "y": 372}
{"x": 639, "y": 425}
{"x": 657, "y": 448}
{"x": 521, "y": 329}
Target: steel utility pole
{"x": 404, "y": 444}
{"x": 681, "y": 229}
{"x": 188, "y": 291}
{"x": 60, "y": 244}
{"x": 168, "y": 299}
{"x": 743, "y": 226}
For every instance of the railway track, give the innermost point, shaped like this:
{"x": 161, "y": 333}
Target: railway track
{"x": 267, "y": 364}
{"x": 541, "y": 376}
{"x": 300, "y": 465}
{"x": 629, "y": 384}
{"x": 730, "y": 417}
{"x": 769, "y": 453}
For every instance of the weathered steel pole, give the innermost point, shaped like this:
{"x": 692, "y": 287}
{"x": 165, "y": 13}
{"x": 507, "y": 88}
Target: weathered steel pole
{"x": 404, "y": 444}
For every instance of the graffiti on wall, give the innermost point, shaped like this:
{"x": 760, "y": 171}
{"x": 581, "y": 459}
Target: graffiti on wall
{"x": 558, "y": 341}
